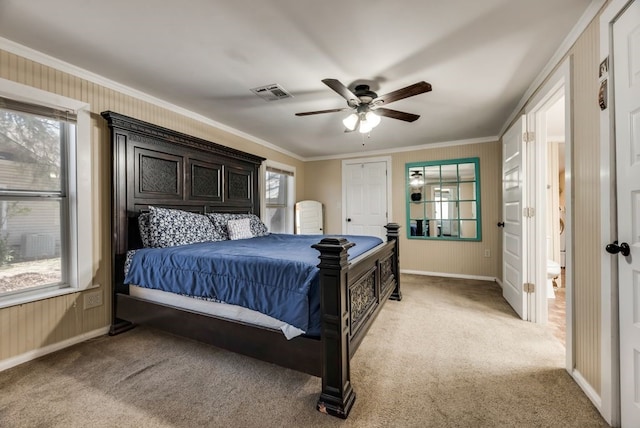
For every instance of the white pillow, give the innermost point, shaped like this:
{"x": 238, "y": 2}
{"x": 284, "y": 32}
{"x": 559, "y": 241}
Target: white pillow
{"x": 220, "y": 221}
{"x": 239, "y": 229}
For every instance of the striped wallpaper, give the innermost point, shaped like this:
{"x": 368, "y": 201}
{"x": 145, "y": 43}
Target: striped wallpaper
{"x": 586, "y": 206}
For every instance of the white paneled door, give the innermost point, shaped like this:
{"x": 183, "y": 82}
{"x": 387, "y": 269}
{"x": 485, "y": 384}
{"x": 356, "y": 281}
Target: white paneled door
{"x": 309, "y": 219}
{"x": 513, "y": 236}
{"x": 366, "y": 198}
{"x": 626, "y": 54}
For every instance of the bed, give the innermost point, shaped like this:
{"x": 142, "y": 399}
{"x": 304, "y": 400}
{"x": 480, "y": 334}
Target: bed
{"x": 155, "y": 169}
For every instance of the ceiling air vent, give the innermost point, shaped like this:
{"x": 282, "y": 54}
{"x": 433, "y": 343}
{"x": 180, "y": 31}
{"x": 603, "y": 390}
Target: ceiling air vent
{"x": 271, "y": 92}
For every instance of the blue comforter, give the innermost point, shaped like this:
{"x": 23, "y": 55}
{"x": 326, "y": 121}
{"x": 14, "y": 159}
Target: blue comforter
{"x": 275, "y": 274}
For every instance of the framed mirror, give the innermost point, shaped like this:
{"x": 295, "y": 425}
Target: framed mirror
{"x": 443, "y": 200}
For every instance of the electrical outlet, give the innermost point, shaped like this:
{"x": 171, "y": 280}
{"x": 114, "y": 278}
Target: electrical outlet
{"x": 93, "y": 299}
{"x": 487, "y": 252}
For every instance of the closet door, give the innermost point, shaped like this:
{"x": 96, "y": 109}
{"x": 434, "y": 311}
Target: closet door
{"x": 626, "y": 54}
{"x": 366, "y": 202}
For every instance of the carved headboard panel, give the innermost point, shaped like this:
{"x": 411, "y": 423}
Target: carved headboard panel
{"x": 157, "y": 166}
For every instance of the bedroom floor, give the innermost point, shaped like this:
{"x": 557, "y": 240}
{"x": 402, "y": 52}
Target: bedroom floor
{"x": 448, "y": 355}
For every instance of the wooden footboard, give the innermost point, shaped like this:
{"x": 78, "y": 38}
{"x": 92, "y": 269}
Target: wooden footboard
{"x": 351, "y": 297}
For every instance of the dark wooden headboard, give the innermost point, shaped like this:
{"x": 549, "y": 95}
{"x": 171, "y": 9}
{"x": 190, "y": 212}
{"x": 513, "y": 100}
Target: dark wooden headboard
{"x": 157, "y": 166}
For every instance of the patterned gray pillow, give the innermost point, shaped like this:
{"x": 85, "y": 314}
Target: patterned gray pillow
{"x": 168, "y": 228}
{"x": 219, "y": 220}
{"x": 143, "y": 225}
{"x": 239, "y": 229}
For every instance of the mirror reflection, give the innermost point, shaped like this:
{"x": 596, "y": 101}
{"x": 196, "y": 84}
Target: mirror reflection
{"x": 443, "y": 199}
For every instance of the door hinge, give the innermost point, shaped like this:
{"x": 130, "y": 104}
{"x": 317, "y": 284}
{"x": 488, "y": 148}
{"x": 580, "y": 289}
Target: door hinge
{"x": 528, "y": 212}
{"x": 529, "y": 137}
{"x": 528, "y": 287}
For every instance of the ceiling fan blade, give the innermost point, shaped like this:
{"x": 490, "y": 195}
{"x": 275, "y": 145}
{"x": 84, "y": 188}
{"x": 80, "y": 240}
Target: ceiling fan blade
{"x": 395, "y": 114}
{"x": 333, "y": 110}
{"x": 343, "y": 91}
{"x": 409, "y": 91}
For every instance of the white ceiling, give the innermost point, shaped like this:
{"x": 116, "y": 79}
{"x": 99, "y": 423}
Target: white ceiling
{"x": 206, "y": 55}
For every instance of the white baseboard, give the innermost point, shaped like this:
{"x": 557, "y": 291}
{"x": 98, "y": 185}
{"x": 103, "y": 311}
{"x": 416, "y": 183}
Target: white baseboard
{"x": 449, "y": 275}
{"x": 37, "y": 353}
{"x": 588, "y": 389}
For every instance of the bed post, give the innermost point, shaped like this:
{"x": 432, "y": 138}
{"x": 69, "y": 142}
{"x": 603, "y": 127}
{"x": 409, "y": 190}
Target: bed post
{"x": 393, "y": 234}
{"x": 337, "y": 395}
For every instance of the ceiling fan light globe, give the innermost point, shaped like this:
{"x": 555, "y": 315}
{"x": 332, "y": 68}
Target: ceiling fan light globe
{"x": 417, "y": 180}
{"x": 373, "y": 119}
{"x": 350, "y": 121}
{"x": 365, "y": 127}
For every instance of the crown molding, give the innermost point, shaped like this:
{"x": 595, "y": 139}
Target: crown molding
{"x": 480, "y": 140}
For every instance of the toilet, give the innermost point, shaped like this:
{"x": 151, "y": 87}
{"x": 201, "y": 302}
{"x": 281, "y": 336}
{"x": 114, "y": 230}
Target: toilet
{"x": 553, "y": 271}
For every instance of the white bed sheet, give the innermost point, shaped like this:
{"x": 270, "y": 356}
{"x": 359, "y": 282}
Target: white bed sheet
{"x": 223, "y": 310}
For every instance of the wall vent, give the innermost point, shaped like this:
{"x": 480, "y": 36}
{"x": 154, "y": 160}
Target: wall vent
{"x": 271, "y": 92}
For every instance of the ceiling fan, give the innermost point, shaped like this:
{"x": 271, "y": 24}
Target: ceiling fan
{"x": 367, "y": 106}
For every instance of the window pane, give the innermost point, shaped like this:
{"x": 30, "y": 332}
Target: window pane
{"x": 30, "y": 151}
{"x": 431, "y": 208}
{"x": 276, "y": 189}
{"x": 467, "y": 191}
{"x": 450, "y": 173}
{"x": 468, "y": 229}
{"x": 467, "y": 210}
{"x": 467, "y": 171}
{"x": 432, "y": 174}
{"x": 278, "y": 213}
{"x": 416, "y": 210}
{"x": 276, "y": 220}
{"x": 449, "y": 228}
{"x": 30, "y": 244}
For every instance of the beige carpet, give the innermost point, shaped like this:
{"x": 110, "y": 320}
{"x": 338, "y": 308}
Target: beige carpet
{"x": 451, "y": 354}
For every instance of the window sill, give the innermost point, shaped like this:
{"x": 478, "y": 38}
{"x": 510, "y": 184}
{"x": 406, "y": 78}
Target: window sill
{"x": 27, "y": 297}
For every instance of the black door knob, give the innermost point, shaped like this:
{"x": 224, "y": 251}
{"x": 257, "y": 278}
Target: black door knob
{"x": 348, "y": 219}
{"x": 614, "y": 248}
{"x": 501, "y": 224}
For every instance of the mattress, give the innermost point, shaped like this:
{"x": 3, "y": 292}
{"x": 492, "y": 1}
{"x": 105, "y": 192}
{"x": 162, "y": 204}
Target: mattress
{"x": 218, "y": 309}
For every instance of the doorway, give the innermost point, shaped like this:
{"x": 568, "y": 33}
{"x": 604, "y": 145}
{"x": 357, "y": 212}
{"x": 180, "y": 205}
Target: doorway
{"x": 545, "y": 199}
{"x": 549, "y": 242}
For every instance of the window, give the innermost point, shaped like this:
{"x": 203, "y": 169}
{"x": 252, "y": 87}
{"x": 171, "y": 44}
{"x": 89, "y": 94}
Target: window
{"x": 443, "y": 200}
{"x": 44, "y": 208}
{"x": 279, "y": 197}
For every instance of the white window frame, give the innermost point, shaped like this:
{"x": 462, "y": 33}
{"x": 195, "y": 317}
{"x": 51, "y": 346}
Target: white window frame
{"x": 291, "y": 194}
{"x": 80, "y": 179}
